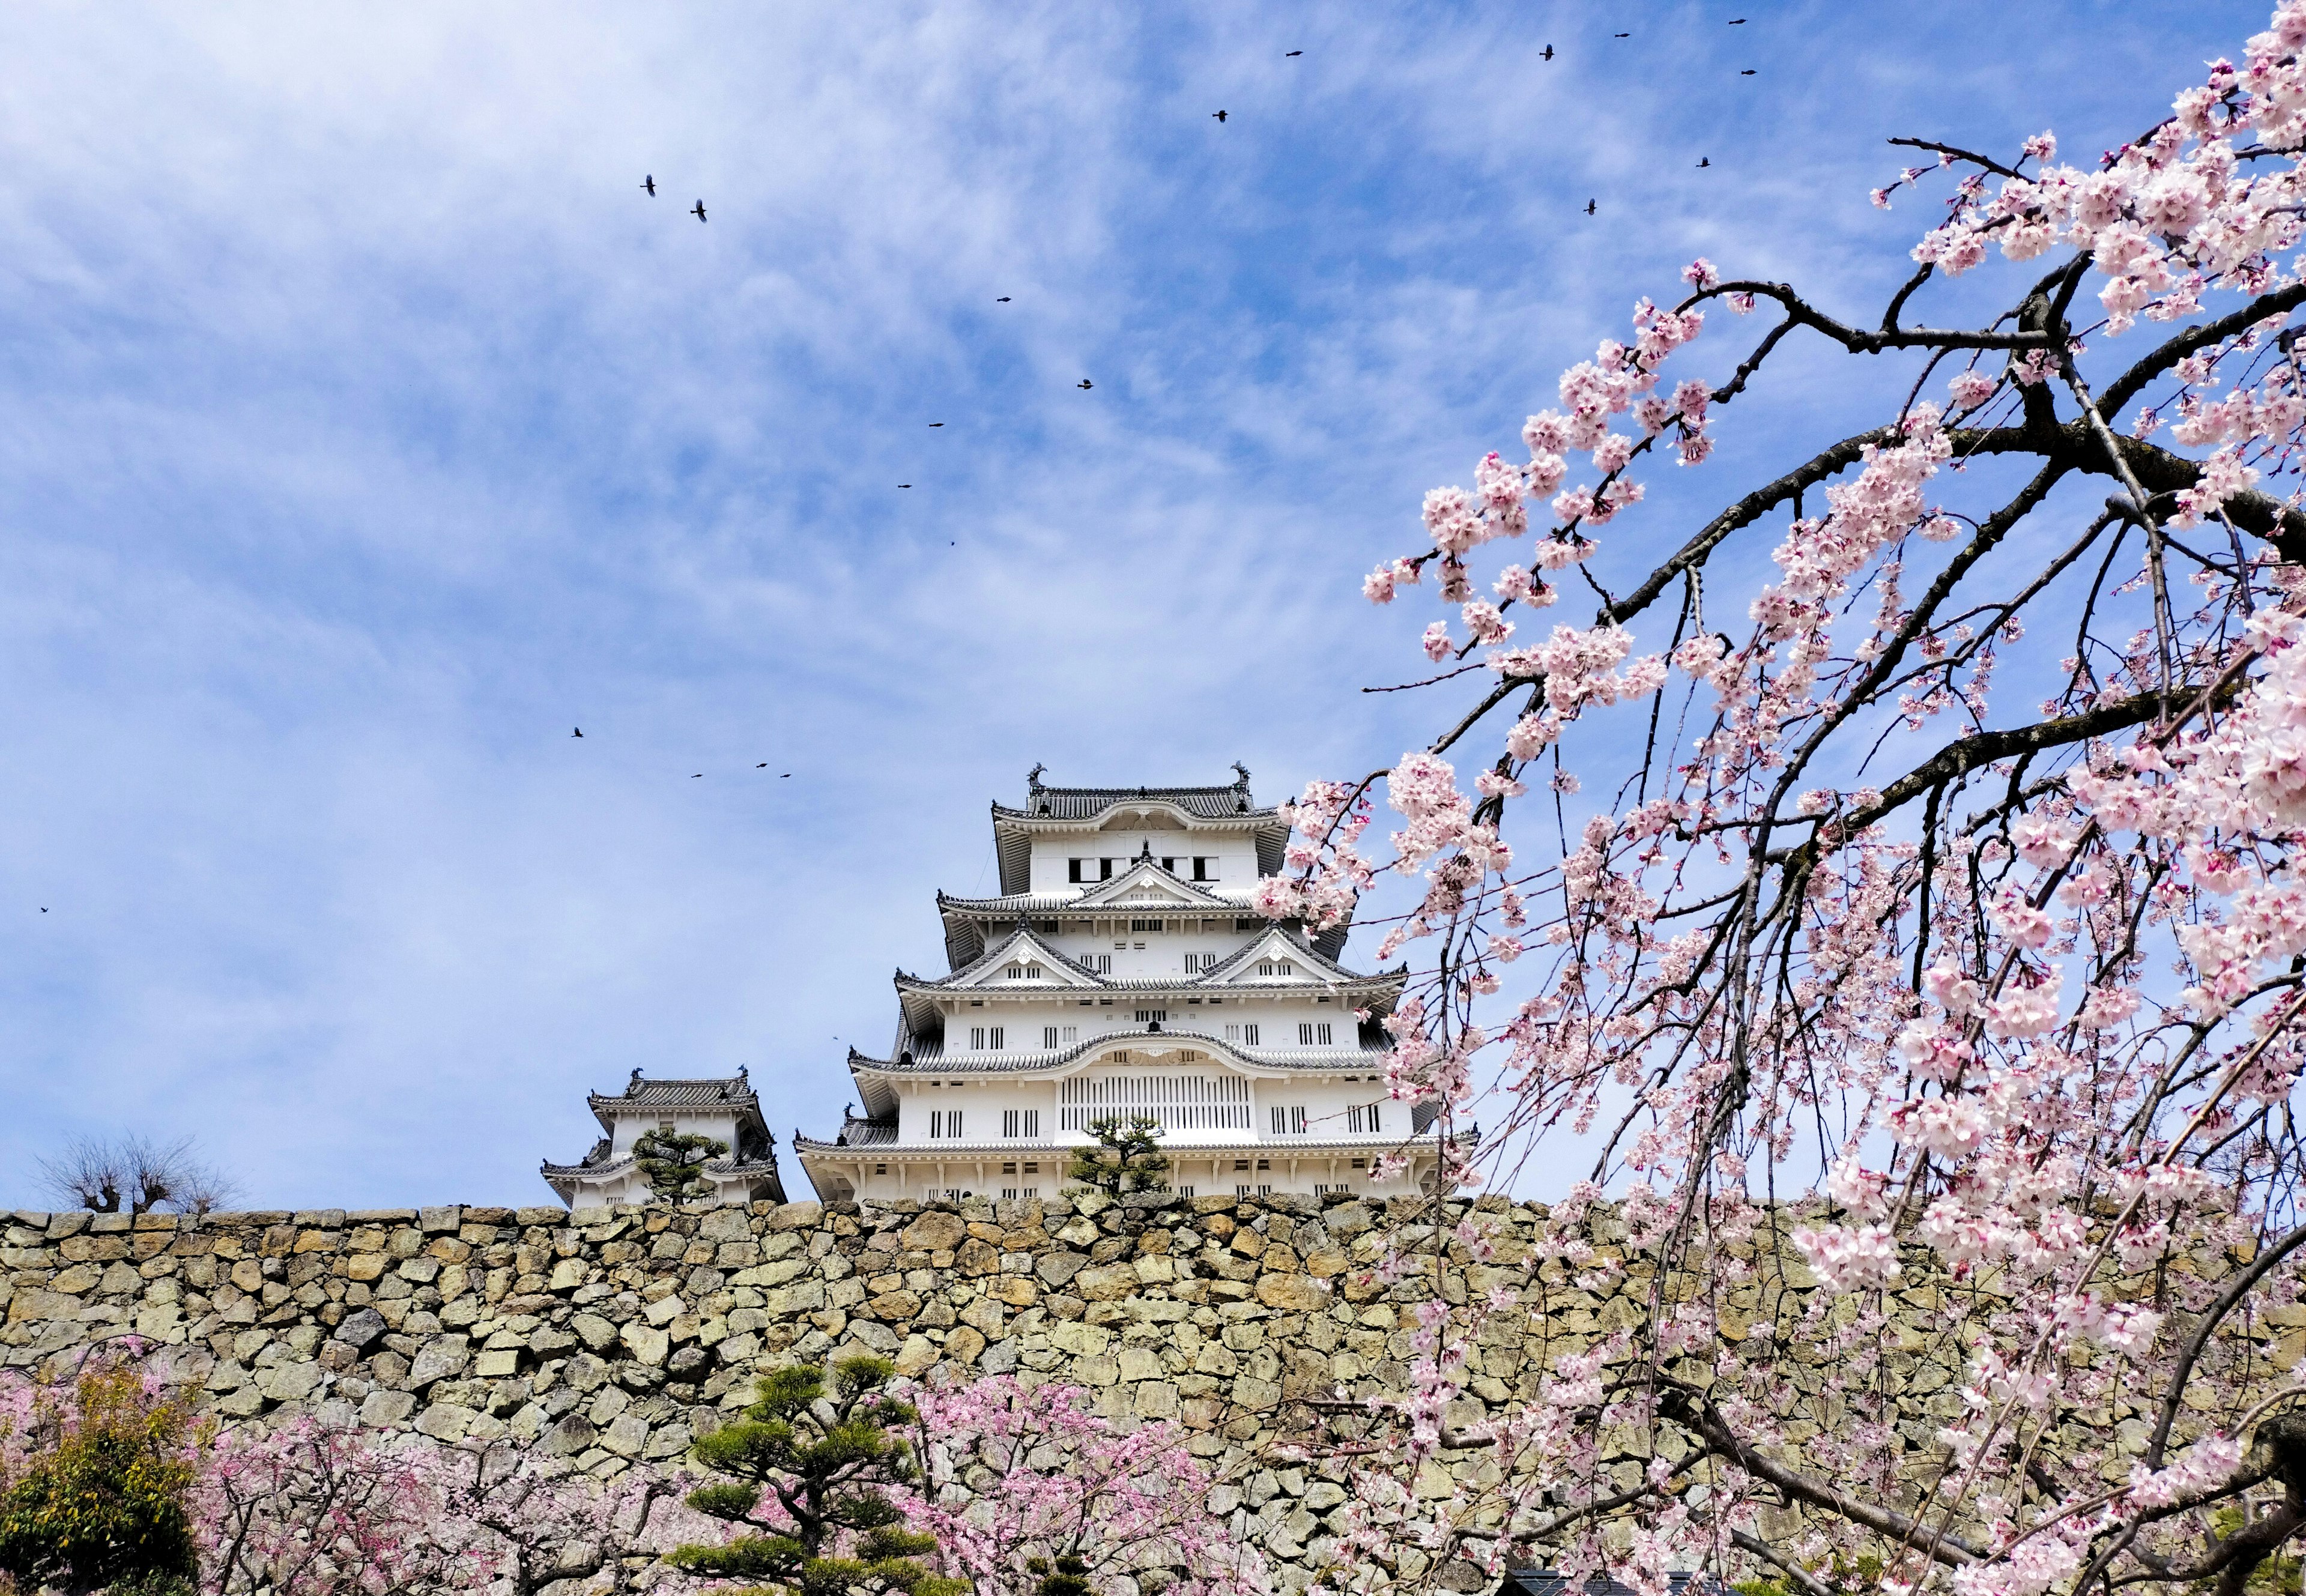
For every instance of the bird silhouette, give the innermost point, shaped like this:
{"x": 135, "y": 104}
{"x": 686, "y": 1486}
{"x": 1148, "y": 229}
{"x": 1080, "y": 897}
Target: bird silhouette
{"x": 1546, "y": 54}
{"x": 649, "y": 183}
{"x": 1287, "y": 54}
{"x": 1737, "y": 22}
{"x": 578, "y": 731}
{"x": 44, "y": 911}
{"x": 1746, "y": 74}
{"x": 786, "y": 777}
{"x": 1704, "y": 160}
{"x": 904, "y": 484}
{"x": 1085, "y": 383}
{"x": 1621, "y": 36}
{"x": 762, "y": 766}
{"x": 699, "y": 776}
{"x": 1220, "y": 116}
{"x": 1002, "y": 301}
{"x": 1589, "y": 208}
{"x": 936, "y": 424}
{"x": 698, "y": 210}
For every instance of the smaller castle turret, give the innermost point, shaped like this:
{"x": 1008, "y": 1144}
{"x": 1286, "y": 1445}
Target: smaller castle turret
{"x": 724, "y": 1108}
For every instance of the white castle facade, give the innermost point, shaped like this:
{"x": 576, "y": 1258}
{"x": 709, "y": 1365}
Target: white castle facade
{"x": 1123, "y": 971}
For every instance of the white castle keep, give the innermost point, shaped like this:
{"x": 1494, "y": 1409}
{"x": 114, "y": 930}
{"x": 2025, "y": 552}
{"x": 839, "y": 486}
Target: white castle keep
{"x": 1121, "y": 972}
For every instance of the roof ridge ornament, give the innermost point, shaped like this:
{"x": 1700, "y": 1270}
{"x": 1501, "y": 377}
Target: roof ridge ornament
{"x": 1033, "y": 778}
{"x": 1241, "y": 771}
{"x": 632, "y": 1086}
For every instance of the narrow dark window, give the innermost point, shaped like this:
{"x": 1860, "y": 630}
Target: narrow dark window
{"x": 1073, "y": 869}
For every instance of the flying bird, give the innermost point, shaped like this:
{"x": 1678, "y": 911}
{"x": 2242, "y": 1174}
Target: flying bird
{"x": 1589, "y": 208}
{"x": 904, "y": 484}
{"x": 1621, "y": 36}
{"x": 649, "y": 183}
{"x": 762, "y": 766}
{"x": 578, "y": 731}
{"x": 1085, "y": 383}
{"x": 698, "y": 210}
{"x": 1546, "y": 54}
{"x": 786, "y": 777}
{"x": 1287, "y": 54}
{"x": 1737, "y": 22}
{"x": 1704, "y": 160}
{"x": 699, "y": 776}
{"x": 1746, "y": 74}
{"x": 936, "y": 424}
{"x": 1220, "y": 116}
{"x": 1002, "y": 301}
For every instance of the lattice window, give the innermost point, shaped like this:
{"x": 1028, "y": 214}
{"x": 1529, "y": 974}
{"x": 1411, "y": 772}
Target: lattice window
{"x": 1176, "y": 1102}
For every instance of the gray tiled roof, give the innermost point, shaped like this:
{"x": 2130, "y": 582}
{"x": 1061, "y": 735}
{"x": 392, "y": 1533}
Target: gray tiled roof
{"x": 1232, "y": 802}
{"x": 730, "y": 1093}
{"x": 696, "y": 1093}
{"x": 1086, "y": 803}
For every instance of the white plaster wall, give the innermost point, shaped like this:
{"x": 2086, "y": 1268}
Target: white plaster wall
{"x": 631, "y": 1127}
{"x": 1235, "y": 853}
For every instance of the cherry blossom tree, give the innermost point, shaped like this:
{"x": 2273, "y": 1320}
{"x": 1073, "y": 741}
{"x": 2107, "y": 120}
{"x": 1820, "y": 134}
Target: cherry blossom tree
{"x": 1937, "y": 1046}
{"x": 302, "y": 1507}
{"x": 1025, "y": 1484}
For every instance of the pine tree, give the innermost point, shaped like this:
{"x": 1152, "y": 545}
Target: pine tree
{"x": 1124, "y": 1160}
{"x": 673, "y": 1163}
{"x": 827, "y": 1460}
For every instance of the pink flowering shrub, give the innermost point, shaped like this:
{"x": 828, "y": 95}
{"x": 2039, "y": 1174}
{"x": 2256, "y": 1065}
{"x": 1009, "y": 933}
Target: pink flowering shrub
{"x": 1908, "y": 934}
{"x": 1018, "y": 1477}
{"x": 304, "y": 1508}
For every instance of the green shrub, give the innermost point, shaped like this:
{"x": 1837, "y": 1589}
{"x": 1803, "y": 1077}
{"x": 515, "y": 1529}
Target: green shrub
{"x": 98, "y": 1498}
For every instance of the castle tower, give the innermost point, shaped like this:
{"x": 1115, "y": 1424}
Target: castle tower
{"x": 1123, "y": 971}
{"x": 724, "y": 1108}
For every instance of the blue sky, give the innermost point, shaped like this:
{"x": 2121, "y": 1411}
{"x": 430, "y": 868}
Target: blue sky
{"x": 363, "y": 427}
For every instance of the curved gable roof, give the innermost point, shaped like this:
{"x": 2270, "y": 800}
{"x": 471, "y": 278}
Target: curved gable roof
{"x": 1043, "y": 805}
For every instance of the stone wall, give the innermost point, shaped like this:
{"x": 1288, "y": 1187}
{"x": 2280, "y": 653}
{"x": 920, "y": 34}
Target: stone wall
{"x": 614, "y": 1336}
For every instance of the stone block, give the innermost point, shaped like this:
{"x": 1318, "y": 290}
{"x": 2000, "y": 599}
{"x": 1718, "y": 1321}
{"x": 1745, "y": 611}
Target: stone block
{"x": 446, "y": 1422}
{"x": 438, "y": 1359}
{"x": 496, "y": 1365}
{"x": 360, "y": 1328}
{"x": 1105, "y": 1282}
{"x": 935, "y": 1232}
{"x": 894, "y": 1307}
{"x": 1294, "y": 1294}
{"x": 726, "y": 1224}
{"x": 648, "y": 1344}
{"x": 1058, "y": 1269}
{"x": 796, "y": 1216}
{"x": 382, "y": 1410}
{"x": 627, "y": 1436}
{"x": 440, "y": 1222}
{"x": 916, "y": 1357}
